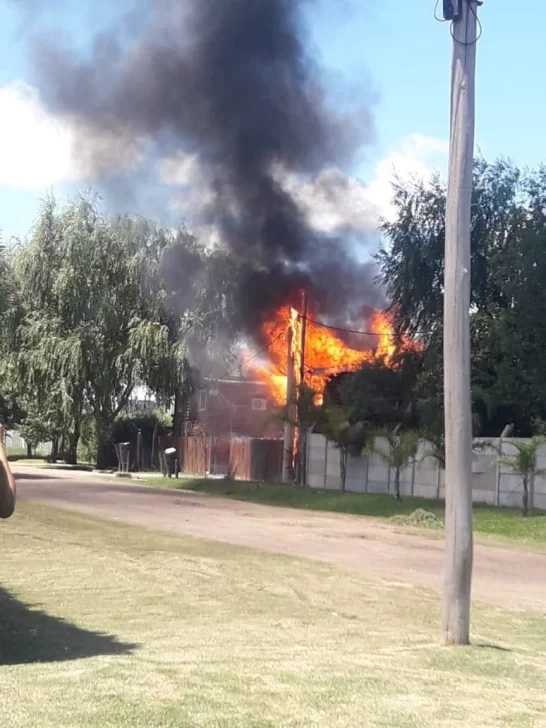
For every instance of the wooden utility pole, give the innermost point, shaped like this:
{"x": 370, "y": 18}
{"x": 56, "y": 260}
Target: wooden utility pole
{"x": 289, "y": 425}
{"x": 457, "y": 396}
{"x": 302, "y": 439}
{"x": 304, "y": 305}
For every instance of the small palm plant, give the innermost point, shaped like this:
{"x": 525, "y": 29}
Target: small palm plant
{"x": 436, "y": 451}
{"x": 402, "y": 448}
{"x": 524, "y": 464}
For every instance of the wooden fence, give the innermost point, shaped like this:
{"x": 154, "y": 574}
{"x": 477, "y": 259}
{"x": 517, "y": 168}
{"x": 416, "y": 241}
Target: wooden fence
{"x": 244, "y": 458}
{"x": 253, "y": 459}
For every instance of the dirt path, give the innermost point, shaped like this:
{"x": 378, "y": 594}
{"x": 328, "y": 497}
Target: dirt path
{"x": 503, "y": 576}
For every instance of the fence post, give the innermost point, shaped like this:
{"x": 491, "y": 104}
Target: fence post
{"x": 507, "y": 432}
{"x": 366, "y": 484}
{"x": 413, "y": 478}
{"x": 499, "y": 476}
{"x": 325, "y": 461}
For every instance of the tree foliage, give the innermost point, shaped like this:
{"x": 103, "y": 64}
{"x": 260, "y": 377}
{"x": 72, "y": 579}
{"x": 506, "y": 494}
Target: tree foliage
{"x": 508, "y": 296}
{"x": 382, "y": 393}
{"x": 97, "y": 322}
{"x": 401, "y": 449}
{"x": 524, "y": 463}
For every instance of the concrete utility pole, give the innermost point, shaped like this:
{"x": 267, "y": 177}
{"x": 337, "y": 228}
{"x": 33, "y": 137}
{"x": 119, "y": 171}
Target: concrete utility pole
{"x": 457, "y": 395}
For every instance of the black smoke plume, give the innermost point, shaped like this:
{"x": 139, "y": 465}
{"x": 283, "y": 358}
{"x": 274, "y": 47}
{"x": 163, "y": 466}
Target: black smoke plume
{"x": 232, "y": 81}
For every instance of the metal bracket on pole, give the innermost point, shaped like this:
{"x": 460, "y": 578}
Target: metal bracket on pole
{"x": 453, "y": 8}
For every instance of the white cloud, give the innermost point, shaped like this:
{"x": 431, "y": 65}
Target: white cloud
{"x": 35, "y": 148}
{"x": 417, "y": 156}
{"x": 38, "y": 149}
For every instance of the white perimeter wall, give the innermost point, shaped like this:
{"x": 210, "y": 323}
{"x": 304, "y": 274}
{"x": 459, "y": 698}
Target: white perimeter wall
{"x": 493, "y": 483}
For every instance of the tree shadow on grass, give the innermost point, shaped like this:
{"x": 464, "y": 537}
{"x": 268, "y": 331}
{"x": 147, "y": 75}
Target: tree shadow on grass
{"x": 29, "y": 635}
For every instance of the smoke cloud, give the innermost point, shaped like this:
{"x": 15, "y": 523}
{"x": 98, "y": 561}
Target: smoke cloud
{"x": 231, "y": 83}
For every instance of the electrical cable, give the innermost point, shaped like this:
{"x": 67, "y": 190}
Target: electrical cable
{"x": 478, "y": 21}
{"x": 362, "y": 333}
{"x": 439, "y": 19}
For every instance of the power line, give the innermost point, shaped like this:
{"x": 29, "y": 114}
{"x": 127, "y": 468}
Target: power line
{"x": 361, "y": 333}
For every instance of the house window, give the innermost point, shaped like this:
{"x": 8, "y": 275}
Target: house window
{"x": 203, "y": 400}
{"x": 259, "y": 404}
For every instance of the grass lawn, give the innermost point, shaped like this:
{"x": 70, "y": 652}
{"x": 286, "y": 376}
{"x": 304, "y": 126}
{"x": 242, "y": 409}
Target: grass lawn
{"x": 502, "y": 524}
{"x": 40, "y": 462}
{"x": 16, "y": 455}
{"x": 108, "y": 626}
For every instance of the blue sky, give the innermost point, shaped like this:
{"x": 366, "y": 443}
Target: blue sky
{"x": 393, "y": 48}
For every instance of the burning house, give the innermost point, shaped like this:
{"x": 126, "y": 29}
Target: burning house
{"x": 230, "y": 91}
{"x": 226, "y": 408}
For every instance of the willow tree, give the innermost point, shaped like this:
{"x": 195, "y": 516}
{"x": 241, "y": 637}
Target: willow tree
{"x": 96, "y": 325}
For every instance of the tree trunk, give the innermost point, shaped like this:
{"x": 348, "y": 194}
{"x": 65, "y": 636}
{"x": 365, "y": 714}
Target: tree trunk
{"x": 153, "y": 459}
{"x": 72, "y": 449}
{"x": 525, "y": 497}
{"x": 54, "y": 455}
{"x": 103, "y": 444}
{"x": 29, "y": 450}
{"x": 397, "y": 495}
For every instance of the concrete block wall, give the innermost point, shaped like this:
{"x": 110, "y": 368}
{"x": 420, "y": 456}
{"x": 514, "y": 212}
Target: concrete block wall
{"x": 424, "y": 478}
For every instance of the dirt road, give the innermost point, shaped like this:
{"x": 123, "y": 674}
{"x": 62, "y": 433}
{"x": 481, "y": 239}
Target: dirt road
{"x": 503, "y": 576}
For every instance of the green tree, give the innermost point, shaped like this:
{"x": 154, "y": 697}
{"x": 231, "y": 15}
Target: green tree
{"x": 524, "y": 463}
{"x": 508, "y": 311}
{"x": 383, "y": 393}
{"x": 96, "y": 325}
{"x": 412, "y": 265}
{"x": 402, "y": 447}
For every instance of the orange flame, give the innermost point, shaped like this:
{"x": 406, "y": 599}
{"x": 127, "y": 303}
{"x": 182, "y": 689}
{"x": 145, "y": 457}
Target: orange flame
{"x": 326, "y": 354}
